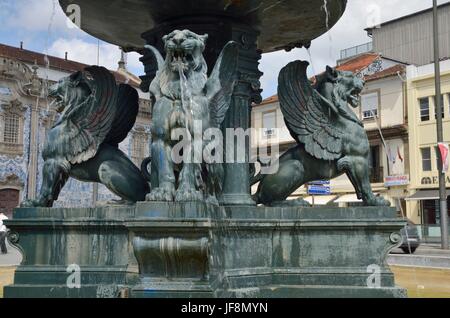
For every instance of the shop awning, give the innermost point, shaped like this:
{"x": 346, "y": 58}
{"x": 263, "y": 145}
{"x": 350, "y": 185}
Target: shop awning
{"x": 320, "y": 199}
{"x": 350, "y": 198}
{"x": 424, "y": 195}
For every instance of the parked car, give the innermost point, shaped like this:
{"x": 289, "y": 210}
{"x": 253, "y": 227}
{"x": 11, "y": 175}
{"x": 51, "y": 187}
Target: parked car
{"x": 411, "y": 238}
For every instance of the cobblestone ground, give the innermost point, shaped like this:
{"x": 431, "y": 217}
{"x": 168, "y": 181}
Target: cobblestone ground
{"x": 420, "y": 282}
{"x": 6, "y": 277}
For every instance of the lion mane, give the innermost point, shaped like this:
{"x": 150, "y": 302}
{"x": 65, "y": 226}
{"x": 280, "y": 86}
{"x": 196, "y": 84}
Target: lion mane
{"x": 95, "y": 110}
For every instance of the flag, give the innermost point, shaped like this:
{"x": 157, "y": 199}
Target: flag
{"x": 444, "y": 149}
{"x": 399, "y": 154}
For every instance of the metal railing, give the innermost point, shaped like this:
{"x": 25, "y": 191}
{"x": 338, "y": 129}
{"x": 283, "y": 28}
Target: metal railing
{"x": 359, "y": 49}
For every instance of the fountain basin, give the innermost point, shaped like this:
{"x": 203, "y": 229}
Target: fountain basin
{"x": 282, "y": 24}
{"x": 157, "y": 249}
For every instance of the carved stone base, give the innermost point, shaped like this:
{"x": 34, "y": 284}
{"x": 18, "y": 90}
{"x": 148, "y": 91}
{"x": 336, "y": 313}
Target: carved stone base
{"x": 56, "y": 243}
{"x": 200, "y": 250}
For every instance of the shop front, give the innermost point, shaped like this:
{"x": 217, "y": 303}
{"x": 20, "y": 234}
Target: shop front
{"x": 429, "y": 213}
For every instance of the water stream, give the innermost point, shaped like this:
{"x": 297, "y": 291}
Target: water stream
{"x": 327, "y": 23}
{"x": 186, "y": 94}
{"x": 45, "y": 85}
{"x": 311, "y": 63}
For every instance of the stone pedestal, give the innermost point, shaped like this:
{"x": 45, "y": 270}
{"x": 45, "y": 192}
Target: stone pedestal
{"x": 56, "y": 242}
{"x": 201, "y": 250}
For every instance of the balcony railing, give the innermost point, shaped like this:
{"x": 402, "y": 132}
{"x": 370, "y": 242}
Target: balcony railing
{"x": 356, "y": 50}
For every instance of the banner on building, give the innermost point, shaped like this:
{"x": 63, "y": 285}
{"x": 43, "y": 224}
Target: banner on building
{"x": 392, "y": 181}
{"x": 444, "y": 149}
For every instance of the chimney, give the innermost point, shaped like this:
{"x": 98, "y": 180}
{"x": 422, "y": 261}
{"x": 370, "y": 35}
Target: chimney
{"x": 122, "y": 62}
{"x": 21, "y": 45}
{"x": 66, "y": 56}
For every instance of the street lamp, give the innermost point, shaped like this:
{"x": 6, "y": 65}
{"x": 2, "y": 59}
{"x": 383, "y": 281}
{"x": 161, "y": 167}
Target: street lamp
{"x": 440, "y": 134}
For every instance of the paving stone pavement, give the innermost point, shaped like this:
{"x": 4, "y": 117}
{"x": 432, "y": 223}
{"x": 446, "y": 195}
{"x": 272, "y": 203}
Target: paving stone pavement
{"x": 12, "y": 258}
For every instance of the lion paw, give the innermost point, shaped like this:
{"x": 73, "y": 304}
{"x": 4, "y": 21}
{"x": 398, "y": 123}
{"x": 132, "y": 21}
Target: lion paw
{"x": 212, "y": 200}
{"x": 291, "y": 203}
{"x": 188, "y": 195}
{"x": 160, "y": 194}
{"x": 378, "y": 201}
{"x": 28, "y": 204}
{"x": 34, "y": 204}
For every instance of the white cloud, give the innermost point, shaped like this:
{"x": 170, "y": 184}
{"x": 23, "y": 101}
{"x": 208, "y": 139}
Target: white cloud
{"x": 85, "y": 52}
{"x": 35, "y": 16}
{"x": 41, "y": 16}
{"x": 348, "y": 32}
{"x": 133, "y": 64}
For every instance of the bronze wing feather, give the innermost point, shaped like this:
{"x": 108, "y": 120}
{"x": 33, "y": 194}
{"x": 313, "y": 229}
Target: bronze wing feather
{"x": 127, "y": 110}
{"x": 220, "y": 85}
{"x": 307, "y": 114}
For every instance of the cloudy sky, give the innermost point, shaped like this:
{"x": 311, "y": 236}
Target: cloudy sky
{"x": 43, "y": 27}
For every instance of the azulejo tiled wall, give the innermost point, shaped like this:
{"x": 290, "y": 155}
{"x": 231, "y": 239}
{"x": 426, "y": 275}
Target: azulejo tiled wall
{"x": 18, "y": 165}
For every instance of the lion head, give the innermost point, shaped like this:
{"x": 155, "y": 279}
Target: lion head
{"x": 345, "y": 86}
{"x": 185, "y": 48}
{"x": 70, "y": 90}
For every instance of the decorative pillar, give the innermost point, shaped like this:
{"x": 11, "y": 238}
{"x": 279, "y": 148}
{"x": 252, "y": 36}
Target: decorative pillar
{"x": 34, "y": 90}
{"x": 34, "y": 149}
{"x": 236, "y": 190}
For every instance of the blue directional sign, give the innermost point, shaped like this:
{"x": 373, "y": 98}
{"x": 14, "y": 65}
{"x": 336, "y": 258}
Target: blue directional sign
{"x": 319, "y": 190}
{"x": 320, "y": 182}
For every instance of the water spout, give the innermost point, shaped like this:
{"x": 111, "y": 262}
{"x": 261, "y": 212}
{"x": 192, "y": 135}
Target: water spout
{"x": 327, "y": 23}
{"x": 186, "y": 94}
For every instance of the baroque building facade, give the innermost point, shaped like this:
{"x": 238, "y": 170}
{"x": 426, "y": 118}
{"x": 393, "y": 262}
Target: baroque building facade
{"x": 26, "y": 114}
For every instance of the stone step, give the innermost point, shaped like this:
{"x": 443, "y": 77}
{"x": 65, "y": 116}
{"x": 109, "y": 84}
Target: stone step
{"x": 432, "y": 251}
{"x": 419, "y": 260}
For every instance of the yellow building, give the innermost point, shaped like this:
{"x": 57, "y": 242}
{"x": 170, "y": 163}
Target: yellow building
{"x": 423, "y": 206}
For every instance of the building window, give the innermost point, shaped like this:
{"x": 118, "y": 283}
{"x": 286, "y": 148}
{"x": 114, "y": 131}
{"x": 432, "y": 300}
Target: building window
{"x": 11, "y": 130}
{"x": 369, "y": 105}
{"x": 424, "y": 104}
{"x": 442, "y": 106}
{"x": 426, "y": 159}
{"x": 376, "y": 171}
{"x": 269, "y": 124}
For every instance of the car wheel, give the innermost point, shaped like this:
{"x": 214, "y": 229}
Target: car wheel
{"x": 406, "y": 250}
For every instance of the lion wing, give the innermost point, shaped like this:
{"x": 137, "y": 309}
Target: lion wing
{"x": 307, "y": 114}
{"x": 127, "y": 110}
{"x": 220, "y": 85}
{"x": 90, "y": 122}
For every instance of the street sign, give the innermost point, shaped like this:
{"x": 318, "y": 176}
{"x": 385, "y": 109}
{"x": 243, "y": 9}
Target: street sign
{"x": 319, "y": 182}
{"x": 319, "y": 190}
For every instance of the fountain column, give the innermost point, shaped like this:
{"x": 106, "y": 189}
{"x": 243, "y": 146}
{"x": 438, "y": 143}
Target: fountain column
{"x": 236, "y": 189}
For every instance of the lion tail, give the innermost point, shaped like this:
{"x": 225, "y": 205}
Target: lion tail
{"x": 144, "y": 168}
